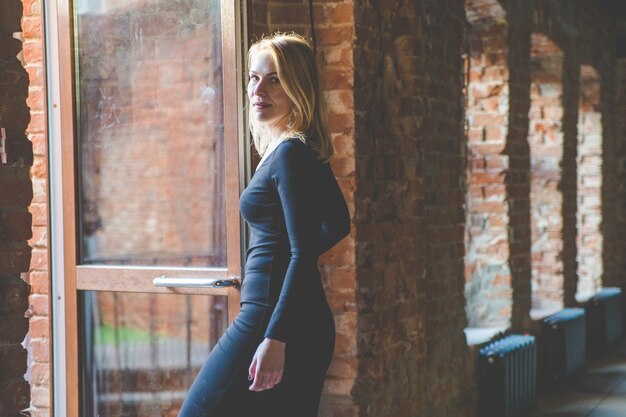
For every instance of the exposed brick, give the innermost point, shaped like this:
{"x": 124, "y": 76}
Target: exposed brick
{"x": 39, "y": 327}
{"x": 31, "y": 26}
{"x": 40, "y": 145}
{"x": 39, "y": 282}
{"x": 37, "y": 123}
{"x": 39, "y": 212}
{"x": 39, "y": 238}
{"x": 40, "y": 349}
{"x": 33, "y": 51}
{"x": 39, "y": 260}
{"x": 39, "y": 304}
{"x": 40, "y": 398}
{"x": 35, "y": 74}
{"x": 40, "y": 374}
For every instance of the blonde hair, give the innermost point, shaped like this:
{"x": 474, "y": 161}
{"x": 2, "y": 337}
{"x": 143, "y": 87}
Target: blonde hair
{"x": 299, "y": 76}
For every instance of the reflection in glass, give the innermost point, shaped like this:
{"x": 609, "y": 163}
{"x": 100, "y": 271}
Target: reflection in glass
{"x": 150, "y": 129}
{"x": 144, "y": 350}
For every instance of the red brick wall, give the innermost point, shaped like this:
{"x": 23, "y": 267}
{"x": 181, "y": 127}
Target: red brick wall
{"x": 518, "y": 152}
{"x": 38, "y": 276}
{"x": 589, "y": 241}
{"x": 413, "y": 359}
{"x": 16, "y": 194}
{"x": 546, "y": 151}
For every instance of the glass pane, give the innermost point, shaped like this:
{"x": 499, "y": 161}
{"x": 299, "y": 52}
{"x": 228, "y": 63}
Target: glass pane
{"x": 150, "y": 128}
{"x": 143, "y": 351}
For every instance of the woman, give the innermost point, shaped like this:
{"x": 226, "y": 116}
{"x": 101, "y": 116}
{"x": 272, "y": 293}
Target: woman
{"x": 273, "y": 358}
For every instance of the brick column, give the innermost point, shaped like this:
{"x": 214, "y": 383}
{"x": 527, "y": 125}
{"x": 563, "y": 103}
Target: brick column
{"x": 589, "y": 240}
{"x": 518, "y": 151}
{"x": 16, "y": 193}
{"x": 38, "y": 276}
{"x": 546, "y": 149}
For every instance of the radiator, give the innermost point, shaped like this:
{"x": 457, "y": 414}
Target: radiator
{"x": 604, "y": 319}
{"x": 507, "y": 376}
{"x": 563, "y": 346}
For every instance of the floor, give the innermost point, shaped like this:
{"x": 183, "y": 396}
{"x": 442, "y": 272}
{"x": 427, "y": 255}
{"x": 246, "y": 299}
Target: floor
{"x": 599, "y": 392}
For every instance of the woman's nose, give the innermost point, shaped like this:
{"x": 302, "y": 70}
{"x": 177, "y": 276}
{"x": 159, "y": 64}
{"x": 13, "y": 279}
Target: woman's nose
{"x": 259, "y": 89}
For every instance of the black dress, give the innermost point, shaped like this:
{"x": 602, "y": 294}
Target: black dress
{"x": 296, "y": 212}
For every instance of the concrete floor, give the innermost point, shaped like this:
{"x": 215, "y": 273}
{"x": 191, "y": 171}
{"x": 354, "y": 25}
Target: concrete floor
{"x": 600, "y": 391}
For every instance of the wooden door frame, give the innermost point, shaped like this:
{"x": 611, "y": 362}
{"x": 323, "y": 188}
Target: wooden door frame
{"x": 62, "y": 119}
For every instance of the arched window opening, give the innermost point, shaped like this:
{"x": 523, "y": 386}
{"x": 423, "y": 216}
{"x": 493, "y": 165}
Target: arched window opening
{"x": 488, "y": 290}
{"x": 589, "y": 172}
{"x": 545, "y": 138}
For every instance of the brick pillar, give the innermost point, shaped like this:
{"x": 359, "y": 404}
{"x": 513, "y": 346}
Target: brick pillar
{"x": 518, "y": 151}
{"x": 411, "y": 160}
{"x": 38, "y": 276}
{"x": 546, "y": 149}
{"x": 16, "y": 193}
{"x": 589, "y": 240}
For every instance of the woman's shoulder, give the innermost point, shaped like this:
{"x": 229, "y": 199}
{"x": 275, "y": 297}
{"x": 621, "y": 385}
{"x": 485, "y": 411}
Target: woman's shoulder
{"x": 292, "y": 150}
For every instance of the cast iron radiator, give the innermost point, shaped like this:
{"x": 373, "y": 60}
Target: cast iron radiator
{"x": 562, "y": 346}
{"x": 604, "y": 319}
{"x": 507, "y": 376}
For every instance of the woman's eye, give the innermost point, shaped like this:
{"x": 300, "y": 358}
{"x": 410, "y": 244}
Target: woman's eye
{"x": 253, "y": 78}
{"x": 275, "y": 80}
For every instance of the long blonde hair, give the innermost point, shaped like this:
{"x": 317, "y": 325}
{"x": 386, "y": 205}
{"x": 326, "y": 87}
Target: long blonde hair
{"x": 299, "y": 76}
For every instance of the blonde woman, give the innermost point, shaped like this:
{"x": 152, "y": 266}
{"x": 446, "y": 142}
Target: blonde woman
{"x": 272, "y": 360}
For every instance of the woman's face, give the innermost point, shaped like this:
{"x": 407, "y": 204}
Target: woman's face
{"x": 269, "y": 102}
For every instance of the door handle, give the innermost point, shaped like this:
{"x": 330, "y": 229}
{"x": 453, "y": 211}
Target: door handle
{"x": 195, "y": 282}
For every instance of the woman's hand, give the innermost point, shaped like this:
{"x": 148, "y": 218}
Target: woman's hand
{"x": 267, "y": 365}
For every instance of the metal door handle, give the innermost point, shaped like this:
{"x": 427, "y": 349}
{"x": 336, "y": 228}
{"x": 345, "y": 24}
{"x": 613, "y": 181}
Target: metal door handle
{"x": 194, "y": 282}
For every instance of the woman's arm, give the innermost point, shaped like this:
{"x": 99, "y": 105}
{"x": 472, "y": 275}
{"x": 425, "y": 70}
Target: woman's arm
{"x": 292, "y": 172}
{"x": 336, "y": 224}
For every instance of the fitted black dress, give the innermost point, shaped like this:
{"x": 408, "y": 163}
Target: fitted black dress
{"x": 296, "y": 212}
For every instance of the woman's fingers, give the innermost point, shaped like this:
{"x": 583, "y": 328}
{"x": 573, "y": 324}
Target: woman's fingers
{"x": 252, "y": 369}
{"x": 279, "y": 378}
{"x": 265, "y": 381}
{"x": 259, "y": 383}
{"x": 276, "y": 379}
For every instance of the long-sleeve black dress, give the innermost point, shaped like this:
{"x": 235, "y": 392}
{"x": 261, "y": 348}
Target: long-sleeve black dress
{"x": 296, "y": 212}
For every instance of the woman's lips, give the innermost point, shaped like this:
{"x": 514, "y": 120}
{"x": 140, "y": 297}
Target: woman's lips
{"x": 261, "y": 105}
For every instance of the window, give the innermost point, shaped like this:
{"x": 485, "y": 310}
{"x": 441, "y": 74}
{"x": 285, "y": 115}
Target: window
{"x": 147, "y": 148}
